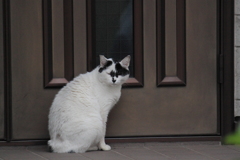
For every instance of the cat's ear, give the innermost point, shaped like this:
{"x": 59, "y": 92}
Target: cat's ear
{"x": 103, "y": 60}
{"x": 126, "y": 61}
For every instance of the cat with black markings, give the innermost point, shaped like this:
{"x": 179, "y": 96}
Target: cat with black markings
{"x": 78, "y": 115}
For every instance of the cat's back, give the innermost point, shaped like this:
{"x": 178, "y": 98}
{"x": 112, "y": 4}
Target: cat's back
{"x": 79, "y": 90}
{"x": 83, "y": 82}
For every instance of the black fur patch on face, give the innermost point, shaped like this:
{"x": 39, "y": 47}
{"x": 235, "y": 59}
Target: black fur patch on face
{"x": 109, "y": 63}
{"x": 120, "y": 70}
{"x": 113, "y": 74}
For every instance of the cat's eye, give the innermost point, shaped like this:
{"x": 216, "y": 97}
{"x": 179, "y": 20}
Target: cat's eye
{"x": 119, "y": 73}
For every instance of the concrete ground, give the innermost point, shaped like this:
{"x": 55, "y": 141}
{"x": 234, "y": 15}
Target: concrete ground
{"x": 131, "y": 151}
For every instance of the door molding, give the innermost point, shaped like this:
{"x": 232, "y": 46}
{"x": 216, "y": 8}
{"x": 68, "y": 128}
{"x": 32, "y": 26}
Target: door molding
{"x": 180, "y": 78}
{"x": 66, "y": 42}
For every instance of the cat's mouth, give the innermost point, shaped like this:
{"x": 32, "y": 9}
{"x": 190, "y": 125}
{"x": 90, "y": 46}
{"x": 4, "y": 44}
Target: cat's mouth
{"x": 114, "y": 84}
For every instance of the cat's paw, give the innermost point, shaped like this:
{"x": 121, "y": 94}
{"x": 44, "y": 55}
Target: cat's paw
{"x": 105, "y": 147}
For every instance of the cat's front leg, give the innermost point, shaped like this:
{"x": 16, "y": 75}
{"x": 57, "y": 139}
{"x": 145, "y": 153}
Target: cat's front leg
{"x": 103, "y": 145}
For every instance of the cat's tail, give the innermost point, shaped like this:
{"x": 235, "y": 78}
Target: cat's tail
{"x": 66, "y": 147}
{"x": 60, "y": 146}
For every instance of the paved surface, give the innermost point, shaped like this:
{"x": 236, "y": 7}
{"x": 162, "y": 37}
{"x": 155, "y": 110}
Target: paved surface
{"x": 131, "y": 151}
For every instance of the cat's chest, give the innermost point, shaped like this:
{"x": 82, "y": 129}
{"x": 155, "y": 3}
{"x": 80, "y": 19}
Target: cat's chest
{"x": 108, "y": 99}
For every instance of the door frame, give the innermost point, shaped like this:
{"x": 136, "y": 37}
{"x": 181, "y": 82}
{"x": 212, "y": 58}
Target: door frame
{"x": 225, "y": 72}
{"x": 226, "y": 50}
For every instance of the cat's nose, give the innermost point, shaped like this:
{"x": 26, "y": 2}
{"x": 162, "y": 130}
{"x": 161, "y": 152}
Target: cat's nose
{"x": 113, "y": 80}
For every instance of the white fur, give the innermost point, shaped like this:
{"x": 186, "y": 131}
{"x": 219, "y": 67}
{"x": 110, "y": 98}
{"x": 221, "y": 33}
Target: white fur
{"x": 78, "y": 115}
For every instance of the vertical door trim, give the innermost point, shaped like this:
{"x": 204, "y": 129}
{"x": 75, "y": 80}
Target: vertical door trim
{"x": 7, "y": 71}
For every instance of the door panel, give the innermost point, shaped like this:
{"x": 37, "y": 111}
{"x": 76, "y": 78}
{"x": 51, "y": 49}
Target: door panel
{"x": 181, "y": 110}
{"x": 30, "y": 102}
{"x": 31, "y": 95}
{"x": 58, "y": 42}
{"x": 171, "y": 43}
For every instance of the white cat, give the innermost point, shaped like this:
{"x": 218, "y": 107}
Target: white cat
{"x": 78, "y": 115}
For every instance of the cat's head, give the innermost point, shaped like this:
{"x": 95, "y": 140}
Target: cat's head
{"x": 113, "y": 73}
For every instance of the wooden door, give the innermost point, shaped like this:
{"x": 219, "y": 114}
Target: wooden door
{"x": 173, "y": 91}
